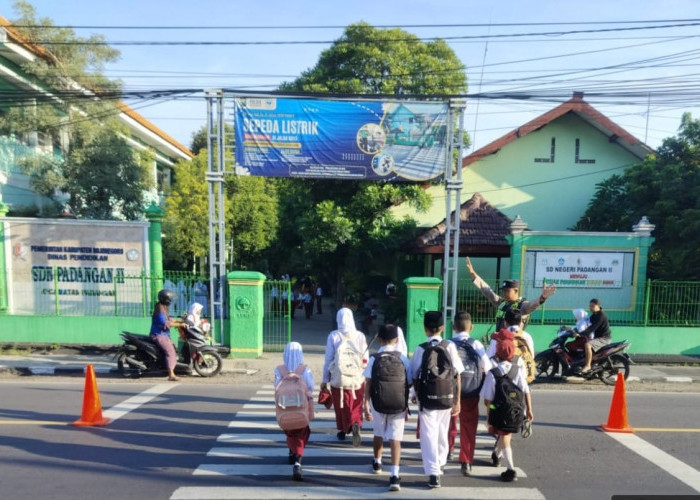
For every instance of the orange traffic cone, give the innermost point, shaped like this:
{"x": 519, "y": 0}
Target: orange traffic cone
{"x": 92, "y": 409}
{"x": 617, "y": 418}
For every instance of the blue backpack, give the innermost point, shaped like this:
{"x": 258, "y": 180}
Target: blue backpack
{"x": 472, "y": 376}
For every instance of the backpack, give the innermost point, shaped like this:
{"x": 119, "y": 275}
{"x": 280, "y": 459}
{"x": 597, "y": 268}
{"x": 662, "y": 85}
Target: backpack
{"x": 292, "y": 407}
{"x": 522, "y": 350}
{"x": 507, "y": 410}
{"x": 473, "y": 375}
{"x": 346, "y": 368}
{"x": 437, "y": 379}
{"x": 389, "y": 388}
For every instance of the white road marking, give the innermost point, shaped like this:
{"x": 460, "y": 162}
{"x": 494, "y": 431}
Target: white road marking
{"x": 340, "y": 469}
{"x": 255, "y": 452}
{"x": 355, "y": 492}
{"x": 134, "y": 402}
{"x": 317, "y": 436}
{"x": 676, "y": 468}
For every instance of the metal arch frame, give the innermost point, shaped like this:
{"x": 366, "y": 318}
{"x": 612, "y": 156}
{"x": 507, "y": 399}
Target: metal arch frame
{"x": 215, "y": 186}
{"x": 453, "y": 193}
{"x": 215, "y": 181}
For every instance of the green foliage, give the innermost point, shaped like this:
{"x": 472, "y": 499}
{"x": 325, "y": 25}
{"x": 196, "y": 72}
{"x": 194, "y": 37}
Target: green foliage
{"x": 343, "y": 231}
{"x": 250, "y": 218}
{"x": 102, "y": 176}
{"x": 666, "y": 188}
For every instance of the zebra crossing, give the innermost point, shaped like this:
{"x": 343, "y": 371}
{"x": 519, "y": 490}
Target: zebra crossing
{"x": 250, "y": 461}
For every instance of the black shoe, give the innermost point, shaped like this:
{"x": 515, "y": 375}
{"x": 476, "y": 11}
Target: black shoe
{"x": 296, "y": 473}
{"x": 509, "y": 476}
{"x": 466, "y": 469}
{"x": 394, "y": 483}
{"x": 376, "y": 467}
{"x": 341, "y": 435}
{"x": 495, "y": 461}
{"x": 434, "y": 481}
{"x": 356, "y": 436}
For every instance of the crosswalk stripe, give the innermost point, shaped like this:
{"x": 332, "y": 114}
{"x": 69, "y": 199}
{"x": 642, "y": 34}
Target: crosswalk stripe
{"x": 253, "y": 452}
{"x": 339, "y": 469}
{"x": 317, "y": 436}
{"x": 354, "y": 492}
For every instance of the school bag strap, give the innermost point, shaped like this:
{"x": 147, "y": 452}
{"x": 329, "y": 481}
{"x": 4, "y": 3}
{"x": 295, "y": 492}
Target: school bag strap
{"x": 283, "y": 370}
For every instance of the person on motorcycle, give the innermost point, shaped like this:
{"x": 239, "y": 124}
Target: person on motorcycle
{"x": 600, "y": 328}
{"x": 160, "y": 330}
{"x": 510, "y": 297}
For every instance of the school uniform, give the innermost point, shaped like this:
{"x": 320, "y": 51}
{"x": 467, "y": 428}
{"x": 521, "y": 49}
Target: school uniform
{"x": 388, "y": 426}
{"x": 434, "y": 424}
{"x": 293, "y": 356}
{"x": 468, "y": 417}
{"x": 348, "y": 411}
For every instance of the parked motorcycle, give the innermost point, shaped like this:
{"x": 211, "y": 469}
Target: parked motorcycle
{"x": 140, "y": 355}
{"x": 569, "y": 358}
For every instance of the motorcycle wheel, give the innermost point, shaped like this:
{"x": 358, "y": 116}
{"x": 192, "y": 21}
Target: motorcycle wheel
{"x": 612, "y": 366}
{"x": 208, "y": 364}
{"x": 125, "y": 369}
{"x": 547, "y": 368}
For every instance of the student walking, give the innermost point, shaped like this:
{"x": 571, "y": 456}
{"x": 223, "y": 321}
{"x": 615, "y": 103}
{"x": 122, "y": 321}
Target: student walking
{"x": 294, "y": 387}
{"x": 506, "y": 396}
{"x": 476, "y": 364}
{"x": 386, "y": 400}
{"x": 345, "y": 359}
{"x": 435, "y": 369}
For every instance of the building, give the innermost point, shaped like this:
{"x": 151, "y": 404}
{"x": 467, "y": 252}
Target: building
{"x": 15, "y": 52}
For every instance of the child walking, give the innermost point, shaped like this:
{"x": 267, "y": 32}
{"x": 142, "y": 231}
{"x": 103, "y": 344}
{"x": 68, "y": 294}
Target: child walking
{"x": 504, "y": 361}
{"x": 386, "y": 400}
{"x": 439, "y": 399}
{"x": 297, "y": 439}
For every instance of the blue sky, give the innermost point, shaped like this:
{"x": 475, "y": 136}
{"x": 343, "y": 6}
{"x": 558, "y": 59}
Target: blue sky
{"x": 665, "y": 60}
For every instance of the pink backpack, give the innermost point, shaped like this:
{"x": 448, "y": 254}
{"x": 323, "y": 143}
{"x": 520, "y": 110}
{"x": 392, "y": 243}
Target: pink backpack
{"x": 292, "y": 405}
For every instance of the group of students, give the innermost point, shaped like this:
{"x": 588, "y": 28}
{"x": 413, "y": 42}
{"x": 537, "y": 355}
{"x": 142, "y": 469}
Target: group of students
{"x": 446, "y": 378}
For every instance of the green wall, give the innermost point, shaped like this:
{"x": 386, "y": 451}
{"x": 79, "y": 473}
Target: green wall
{"x": 105, "y": 331}
{"x": 547, "y": 196}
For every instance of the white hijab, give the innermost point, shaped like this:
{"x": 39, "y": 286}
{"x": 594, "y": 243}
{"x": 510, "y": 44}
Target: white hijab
{"x": 582, "y": 321}
{"x": 345, "y": 320}
{"x": 293, "y": 356}
{"x": 194, "y": 314}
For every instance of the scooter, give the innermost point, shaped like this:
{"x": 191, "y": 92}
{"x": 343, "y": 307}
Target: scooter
{"x": 570, "y": 357}
{"x": 139, "y": 355}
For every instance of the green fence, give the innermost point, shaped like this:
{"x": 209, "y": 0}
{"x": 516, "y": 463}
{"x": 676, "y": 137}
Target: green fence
{"x": 277, "y": 324}
{"x": 654, "y": 303}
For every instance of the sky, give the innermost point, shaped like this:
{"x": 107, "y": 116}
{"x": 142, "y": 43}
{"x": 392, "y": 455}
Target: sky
{"x": 635, "y": 61}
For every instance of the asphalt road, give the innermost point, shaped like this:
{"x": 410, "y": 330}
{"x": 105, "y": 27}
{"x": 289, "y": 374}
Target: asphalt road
{"x": 197, "y": 440}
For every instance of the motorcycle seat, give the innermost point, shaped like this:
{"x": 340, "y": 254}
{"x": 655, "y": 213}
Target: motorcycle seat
{"x": 137, "y": 337}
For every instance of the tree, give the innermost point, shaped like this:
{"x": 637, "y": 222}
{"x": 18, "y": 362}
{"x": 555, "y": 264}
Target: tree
{"x": 333, "y": 227}
{"x": 96, "y": 170}
{"x": 666, "y": 188}
{"x": 250, "y": 217}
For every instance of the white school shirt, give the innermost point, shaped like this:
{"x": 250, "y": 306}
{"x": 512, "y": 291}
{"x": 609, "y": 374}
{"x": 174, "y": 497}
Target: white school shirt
{"x": 488, "y": 390}
{"x": 484, "y": 360}
{"x": 417, "y": 358}
{"x": 528, "y": 340}
{"x": 388, "y": 348}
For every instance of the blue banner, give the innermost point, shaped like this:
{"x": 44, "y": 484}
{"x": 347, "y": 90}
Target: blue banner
{"x": 331, "y": 139}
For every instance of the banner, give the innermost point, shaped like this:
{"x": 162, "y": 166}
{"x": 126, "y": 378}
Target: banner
{"x": 579, "y": 269}
{"x": 371, "y": 140}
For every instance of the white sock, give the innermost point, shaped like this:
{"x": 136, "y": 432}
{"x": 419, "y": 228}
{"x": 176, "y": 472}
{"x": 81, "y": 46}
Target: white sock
{"x": 508, "y": 457}
{"x": 395, "y": 470}
{"x": 378, "y": 461}
{"x": 499, "y": 449}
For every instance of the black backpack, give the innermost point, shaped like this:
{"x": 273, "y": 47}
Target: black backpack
{"x": 437, "y": 380}
{"x": 389, "y": 388}
{"x": 473, "y": 375}
{"x": 507, "y": 410}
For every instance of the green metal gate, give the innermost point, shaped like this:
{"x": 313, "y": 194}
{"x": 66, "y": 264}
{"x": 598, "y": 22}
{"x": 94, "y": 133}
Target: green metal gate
{"x": 277, "y": 324}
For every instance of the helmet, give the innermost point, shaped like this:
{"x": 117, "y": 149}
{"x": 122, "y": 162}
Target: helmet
{"x": 166, "y": 297}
